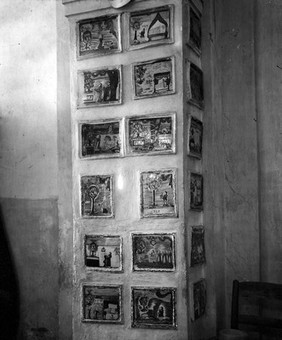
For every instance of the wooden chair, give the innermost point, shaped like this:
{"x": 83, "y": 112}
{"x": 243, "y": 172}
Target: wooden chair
{"x": 257, "y": 308}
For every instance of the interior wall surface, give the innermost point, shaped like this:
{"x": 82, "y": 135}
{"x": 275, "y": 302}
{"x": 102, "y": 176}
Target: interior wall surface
{"x": 269, "y": 80}
{"x": 65, "y": 240}
{"x": 234, "y": 42}
{"x": 28, "y": 171}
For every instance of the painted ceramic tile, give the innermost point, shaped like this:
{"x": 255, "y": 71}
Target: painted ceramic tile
{"x": 196, "y": 191}
{"x": 100, "y": 139}
{"x": 158, "y": 194}
{"x": 99, "y": 86}
{"x": 96, "y": 196}
{"x": 195, "y": 92}
{"x": 153, "y": 252}
{"x": 98, "y": 36}
{"x": 195, "y": 37}
{"x": 200, "y": 298}
{"x": 153, "y": 307}
{"x": 151, "y": 134}
{"x": 195, "y": 138}
{"x": 198, "y": 254}
{"x": 103, "y": 252}
{"x": 154, "y": 78}
{"x": 151, "y": 27}
{"x": 101, "y": 304}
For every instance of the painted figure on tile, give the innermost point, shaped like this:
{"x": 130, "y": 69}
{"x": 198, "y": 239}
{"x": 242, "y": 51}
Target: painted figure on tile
{"x": 158, "y": 193}
{"x": 96, "y": 196}
{"x": 150, "y": 135}
{"x": 101, "y": 304}
{"x": 196, "y": 191}
{"x": 154, "y": 78}
{"x": 153, "y": 252}
{"x": 153, "y": 308}
{"x": 100, "y": 139}
{"x": 103, "y": 252}
{"x": 150, "y": 25}
{"x": 98, "y": 35}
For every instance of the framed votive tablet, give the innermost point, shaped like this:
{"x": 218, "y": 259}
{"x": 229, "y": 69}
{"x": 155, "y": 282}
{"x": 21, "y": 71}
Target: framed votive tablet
{"x": 198, "y": 253}
{"x": 158, "y": 194}
{"x": 196, "y": 191}
{"x": 153, "y": 252}
{"x": 195, "y": 30}
{"x": 98, "y": 36}
{"x": 103, "y": 252}
{"x": 100, "y": 139}
{"x": 102, "y": 303}
{"x": 195, "y": 84}
{"x": 100, "y": 86}
{"x": 195, "y": 138}
{"x": 96, "y": 196}
{"x": 150, "y": 27}
{"x": 153, "y": 307}
{"x": 150, "y": 135}
{"x": 199, "y": 298}
{"x": 154, "y": 78}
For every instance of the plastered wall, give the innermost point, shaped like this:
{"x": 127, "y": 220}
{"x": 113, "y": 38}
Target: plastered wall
{"x": 246, "y": 49}
{"x": 28, "y": 164}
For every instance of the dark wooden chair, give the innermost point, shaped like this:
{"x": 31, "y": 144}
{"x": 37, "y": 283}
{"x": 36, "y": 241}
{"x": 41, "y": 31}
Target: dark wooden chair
{"x": 257, "y": 309}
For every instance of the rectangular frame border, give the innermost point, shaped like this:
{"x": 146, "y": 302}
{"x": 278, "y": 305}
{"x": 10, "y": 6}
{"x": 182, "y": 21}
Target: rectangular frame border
{"x": 173, "y": 235}
{"x": 175, "y": 213}
{"x": 89, "y": 284}
{"x": 101, "y": 121}
{"x": 172, "y": 58}
{"x": 94, "y": 55}
{"x": 190, "y": 253}
{"x": 192, "y": 6}
{"x": 189, "y": 99}
{"x": 158, "y": 42}
{"x": 112, "y": 198}
{"x": 133, "y": 323}
{"x": 189, "y": 179}
{"x": 189, "y": 153}
{"x": 151, "y": 115}
{"x": 79, "y": 102}
{"x": 100, "y": 269}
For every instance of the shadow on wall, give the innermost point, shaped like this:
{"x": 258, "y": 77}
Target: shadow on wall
{"x": 9, "y": 291}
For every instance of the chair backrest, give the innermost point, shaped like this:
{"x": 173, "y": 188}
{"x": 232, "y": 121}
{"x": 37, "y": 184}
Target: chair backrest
{"x": 257, "y": 306}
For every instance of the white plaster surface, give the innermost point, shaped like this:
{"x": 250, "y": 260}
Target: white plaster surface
{"x": 28, "y": 90}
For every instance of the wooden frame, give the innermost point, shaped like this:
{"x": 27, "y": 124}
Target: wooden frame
{"x": 257, "y": 307}
{"x": 152, "y": 134}
{"x": 98, "y": 36}
{"x": 195, "y": 84}
{"x": 101, "y": 139}
{"x": 99, "y": 86}
{"x": 102, "y": 303}
{"x": 103, "y": 253}
{"x": 196, "y": 191}
{"x": 153, "y": 252}
{"x": 158, "y": 193}
{"x": 96, "y": 195}
{"x": 198, "y": 253}
{"x": 195, "y": 30}
{"x": 153, "y": 307}
{"x": 195, "y": 138}
{"x": 154, "y": 78}
{"x": 150, "y": 27}
{"x": 199, "y": 290}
